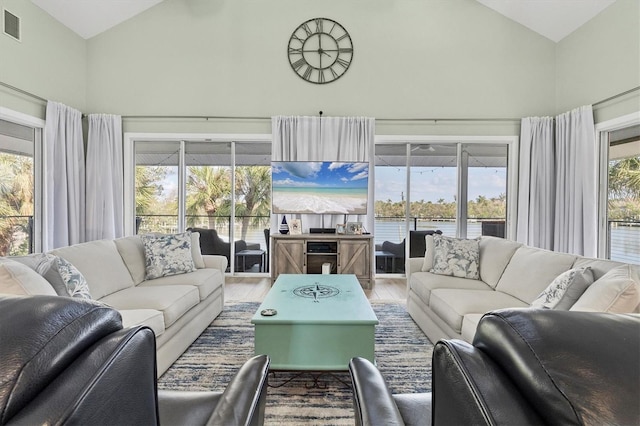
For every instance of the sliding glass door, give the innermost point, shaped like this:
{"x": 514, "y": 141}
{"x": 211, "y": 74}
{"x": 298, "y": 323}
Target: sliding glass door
{"x": 458, "y": 187}
{"x": 220, "y": 185}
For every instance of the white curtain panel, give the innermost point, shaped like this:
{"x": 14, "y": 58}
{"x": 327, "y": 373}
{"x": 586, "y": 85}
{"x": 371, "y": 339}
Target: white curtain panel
{"x": 536, "y": 182}
{"x": 301, "y": 138}
{"x": 64, "y": 186}
{"x": 105, "y": 187}
{"x": 576, "y": 183}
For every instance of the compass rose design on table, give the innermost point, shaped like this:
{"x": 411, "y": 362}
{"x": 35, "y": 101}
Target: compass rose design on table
{"x": 316, "y": 291}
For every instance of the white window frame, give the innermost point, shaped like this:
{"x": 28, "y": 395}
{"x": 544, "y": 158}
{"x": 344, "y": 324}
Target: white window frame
{"x": 39, "y": 171}
{"x": 129, "y": 162}
{"x": 602, "y": 130}
{"x": 512, "y": 171}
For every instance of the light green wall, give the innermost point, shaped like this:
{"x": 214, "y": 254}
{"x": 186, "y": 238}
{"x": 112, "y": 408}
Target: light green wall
{"x": 413, "y": 58}
{"x": 601, "y": 59}
{"x": 50, "y": 62}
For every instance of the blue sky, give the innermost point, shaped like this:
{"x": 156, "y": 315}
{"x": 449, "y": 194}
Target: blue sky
{"x": 434, "y": 183}
{"x": 325, "y": 174}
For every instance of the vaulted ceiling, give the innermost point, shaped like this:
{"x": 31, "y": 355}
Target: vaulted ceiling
{"x": 554, "y": 19}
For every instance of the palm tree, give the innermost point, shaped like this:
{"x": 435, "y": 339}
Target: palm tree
{"x": 16, "y": 199}
{"x": 209, "y": 190}
{"x": 253, "y": 191}
{"x": 148, "y": 187}
{"x": 624, "y": 178}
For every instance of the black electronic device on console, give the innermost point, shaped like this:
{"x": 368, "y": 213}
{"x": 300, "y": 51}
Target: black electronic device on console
{"x": 322, "y": 230}
{"x": 322, "y": 247}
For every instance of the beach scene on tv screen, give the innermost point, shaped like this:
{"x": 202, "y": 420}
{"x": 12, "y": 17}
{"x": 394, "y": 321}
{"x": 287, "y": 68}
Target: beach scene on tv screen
{"x": 319, "y": 187}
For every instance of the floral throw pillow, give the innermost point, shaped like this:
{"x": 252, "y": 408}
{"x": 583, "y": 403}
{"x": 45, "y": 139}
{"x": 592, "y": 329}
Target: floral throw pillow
{"x": 73, "y": 279}
{"x": 456, "y": 257}
{"x": 565, "y": 290}
{"x": 167, "y": 255}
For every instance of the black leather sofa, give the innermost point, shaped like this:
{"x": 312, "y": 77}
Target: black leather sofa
{"x": 525, "y": 367}
{"x": 69, "y": 361}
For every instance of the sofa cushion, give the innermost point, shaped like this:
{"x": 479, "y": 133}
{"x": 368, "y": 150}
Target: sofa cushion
{"x": 617, "y": 291}
{"x": 599, "y": 267}
{"x": 132, "y": 252}
{"x": 531, "y": 270}
{"x": 495, "y": 254}
{"x": 427, "y": 265}
{"x": 167, "y": 255}
{"x": 451, "y": 305}
{"x": 563, "y": 292}
{"x": 423, "y": 283}
{"x": 149, "y": 317}
{"x": 101, "y": 264}
{"x": 206, "y": 280}
{"x": 456, "y": 257}
{"x": 172, "y": 300}
{"x": 19, "y": 279}
{"x": 45, "y": 264}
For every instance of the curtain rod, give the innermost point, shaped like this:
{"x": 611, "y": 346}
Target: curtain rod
{"x": 610, "y": 98}
{"x": 24, "y": 92}
{"x": 217, "y": 117}
{"x": 204, "y": 117}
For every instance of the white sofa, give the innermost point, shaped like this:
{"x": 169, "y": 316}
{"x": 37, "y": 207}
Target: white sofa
{"x": 178, "y": 308}
{"x": 512, "y": 275}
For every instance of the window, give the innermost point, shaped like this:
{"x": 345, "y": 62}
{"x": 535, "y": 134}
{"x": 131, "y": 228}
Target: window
{"x": 20, "y": 148}
{"x": 457, "y": 186}
{"x": 215, "y": 183}
{"x": 623, "y": 195}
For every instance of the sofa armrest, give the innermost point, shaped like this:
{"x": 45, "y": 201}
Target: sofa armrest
{"x": 413, "y": 264}
{"x": 372, "y": 401}
{"x": 215, "y": 261}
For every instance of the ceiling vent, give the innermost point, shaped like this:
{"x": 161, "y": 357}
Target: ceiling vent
{"x": 11, "y": 24}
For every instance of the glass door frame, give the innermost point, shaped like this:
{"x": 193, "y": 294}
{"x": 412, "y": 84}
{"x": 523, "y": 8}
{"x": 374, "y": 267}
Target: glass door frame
{"x": 129, "y": 141}
{"x": 512, "y": 142}
{"x": 602, "y": 144}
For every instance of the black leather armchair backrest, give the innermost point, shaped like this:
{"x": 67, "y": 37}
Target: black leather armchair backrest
{"x": 568, "y": 382}
{"x": 40, "y": 336}
{"x": 417, "y": 244}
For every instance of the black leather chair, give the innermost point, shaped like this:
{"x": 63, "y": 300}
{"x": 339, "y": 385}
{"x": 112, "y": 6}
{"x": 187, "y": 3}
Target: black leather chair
{"x": 69, "y": 361}
{"x": 525, "y": 367}
{"x": 417, "y": 244}
{"x": 211, "y": 243}
{"x": 417, "y": 247}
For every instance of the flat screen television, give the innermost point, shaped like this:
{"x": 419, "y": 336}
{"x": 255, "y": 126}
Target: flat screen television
{"x": 320, "y": 187}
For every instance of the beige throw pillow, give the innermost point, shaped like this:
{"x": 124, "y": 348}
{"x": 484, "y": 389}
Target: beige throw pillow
{"x": 563, "y": 291}
{"x": 17, "y": 278}
{"x": 615, "y": 292}
{"x": 427, "y": 265}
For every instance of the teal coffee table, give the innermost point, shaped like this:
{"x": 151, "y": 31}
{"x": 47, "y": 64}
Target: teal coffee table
{"x": 322, "y": 321}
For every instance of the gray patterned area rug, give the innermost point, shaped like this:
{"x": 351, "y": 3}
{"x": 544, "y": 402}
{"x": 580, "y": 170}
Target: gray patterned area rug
{"x": 403, "y": 355}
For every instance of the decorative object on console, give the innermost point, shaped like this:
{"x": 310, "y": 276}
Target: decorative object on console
{"x": 284, "y": 228}
{"x": 354, "y": 228}
{"x": 340, "y": 228}
{"x": 296, "y": 227}
{"x": 320, "y": 50}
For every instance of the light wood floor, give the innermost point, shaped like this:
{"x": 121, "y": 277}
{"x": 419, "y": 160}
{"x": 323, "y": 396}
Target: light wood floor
{"x": 254, "y": 289}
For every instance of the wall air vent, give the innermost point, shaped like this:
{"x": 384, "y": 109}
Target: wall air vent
{"x": 11, "y": 24}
